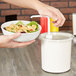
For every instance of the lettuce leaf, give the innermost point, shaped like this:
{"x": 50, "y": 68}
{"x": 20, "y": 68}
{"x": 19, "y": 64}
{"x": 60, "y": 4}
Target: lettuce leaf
{"x": 33, "y": 23}
{"x": 19, "y": 23}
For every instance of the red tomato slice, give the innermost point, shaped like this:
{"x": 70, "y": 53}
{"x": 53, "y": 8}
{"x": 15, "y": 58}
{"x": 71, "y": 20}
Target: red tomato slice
{"x": 31, "y": 29}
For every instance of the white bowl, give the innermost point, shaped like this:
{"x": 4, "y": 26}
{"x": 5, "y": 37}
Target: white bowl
{"x": 24, "y": 36}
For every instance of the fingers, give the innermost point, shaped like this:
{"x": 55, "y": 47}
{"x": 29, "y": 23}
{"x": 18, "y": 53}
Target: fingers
{"x": 61, "y": 19}
{"x": 54, "y": 13}
{"x": 21, "y": 44}
{"x": 59, "y": 22}
{"x": 14, "y": 36}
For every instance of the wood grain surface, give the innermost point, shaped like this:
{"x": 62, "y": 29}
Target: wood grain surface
{"x": 26, "y": 62}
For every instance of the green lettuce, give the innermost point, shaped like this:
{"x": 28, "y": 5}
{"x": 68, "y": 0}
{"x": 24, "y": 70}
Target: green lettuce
{"x": 33, "y": 23}
{"x": 29, "y": 24}
{"x": 19, "y": 23}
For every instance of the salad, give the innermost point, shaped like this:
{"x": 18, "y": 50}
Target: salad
{"x": 22, "y": 28}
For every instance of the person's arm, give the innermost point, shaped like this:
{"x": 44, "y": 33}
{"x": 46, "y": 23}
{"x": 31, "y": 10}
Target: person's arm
{"x": 23, "y": 3}
{"x": 43, "y": 9}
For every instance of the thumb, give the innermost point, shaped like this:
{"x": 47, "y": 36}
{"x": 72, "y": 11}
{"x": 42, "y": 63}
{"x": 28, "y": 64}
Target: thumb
{"x": 14, "y": 36}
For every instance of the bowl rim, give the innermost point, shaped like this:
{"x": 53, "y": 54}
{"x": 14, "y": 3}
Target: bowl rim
{"x": 17, "y": 21}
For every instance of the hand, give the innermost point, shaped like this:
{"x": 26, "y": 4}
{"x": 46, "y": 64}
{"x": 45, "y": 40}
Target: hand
{"x": 6, "y": 41}
{"x": 46, "y": 10}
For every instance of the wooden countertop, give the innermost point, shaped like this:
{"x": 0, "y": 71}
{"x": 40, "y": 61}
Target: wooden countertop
{"x": 26, "y": 62}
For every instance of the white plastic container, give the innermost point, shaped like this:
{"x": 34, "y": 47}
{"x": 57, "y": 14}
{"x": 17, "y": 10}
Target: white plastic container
{"x": 56, "y": 53}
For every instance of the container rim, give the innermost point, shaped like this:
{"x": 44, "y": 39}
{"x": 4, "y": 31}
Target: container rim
{"x": 69, "y": 35}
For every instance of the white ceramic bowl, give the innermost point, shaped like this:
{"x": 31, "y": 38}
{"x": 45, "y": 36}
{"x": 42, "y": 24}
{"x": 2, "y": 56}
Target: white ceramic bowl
{"x": 24, "y": 36}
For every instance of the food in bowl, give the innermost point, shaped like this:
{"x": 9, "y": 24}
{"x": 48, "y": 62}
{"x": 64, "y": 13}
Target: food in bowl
{"x": 22, "y": 28}
{"x": 25, "y": 36}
